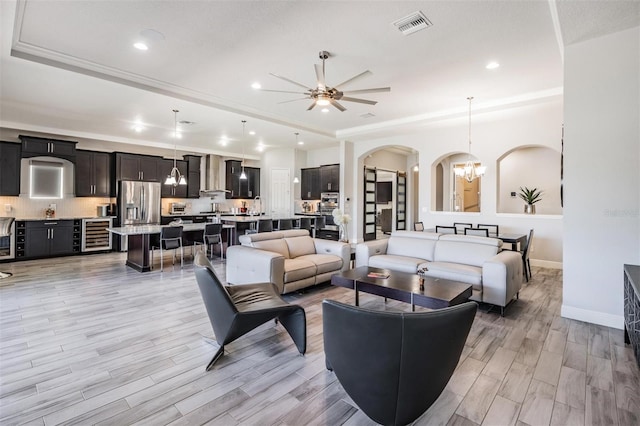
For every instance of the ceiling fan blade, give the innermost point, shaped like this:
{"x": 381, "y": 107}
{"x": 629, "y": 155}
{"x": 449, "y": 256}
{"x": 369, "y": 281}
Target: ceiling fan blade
{"x": 311, "y": 107}
{"x": 360, "y": 101}
{"x": 320, "y": 77}
{"x": 290, "y": 81}
{"x": 337, "y": 105}
{"x": 376, "y": 90}
{"x": 283, "y": 91}
{"x": 352, "y": 79}
{"x": 293, "y": 100}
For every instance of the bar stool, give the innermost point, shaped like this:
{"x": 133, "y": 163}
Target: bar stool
{"x": 5, "y": 233}
{"x": 265, "y": 225}
{"x": 213, "y": 235}
{"x": 170, "y": 239}
{"x": 284, "y": 224}
{"x": 319, "y": 223}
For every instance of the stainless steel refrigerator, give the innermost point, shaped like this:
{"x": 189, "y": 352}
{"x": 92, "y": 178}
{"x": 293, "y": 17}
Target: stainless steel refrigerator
{"x": 138, "y": 204}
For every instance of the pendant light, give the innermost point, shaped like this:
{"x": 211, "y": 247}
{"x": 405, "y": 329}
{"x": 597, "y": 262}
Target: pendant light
{"x": 295, "y": 154}
{"x": 243, "y": 175}
{"x": 175, "y": 178}
{"x": 470, "y": 171}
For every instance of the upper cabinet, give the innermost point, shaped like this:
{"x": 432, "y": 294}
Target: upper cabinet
{"x": 93, "y": 174}
{"x": 137, "y": 167}
{"x": 310, "y": 183}
{"x": 241, "y": 188}
{"x": 193, "y": 176}
{"x": 33, "y": 146}
{"x": 10, "y": 168}
{"x": 330, "y": 178}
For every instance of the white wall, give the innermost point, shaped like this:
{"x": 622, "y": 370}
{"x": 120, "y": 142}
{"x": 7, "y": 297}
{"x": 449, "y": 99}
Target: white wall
{"x": 387, "y": 160}
{"x": 319, "y": 157}
{"x": 601, "y": 174}
{"x": 530, "y": 167}
{"x": 495, "y": 134}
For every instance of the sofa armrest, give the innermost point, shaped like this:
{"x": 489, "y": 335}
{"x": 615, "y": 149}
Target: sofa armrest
{"x": 501, "y": 277}
{"x": 343, "y": 250}
{"x": 246, "y": 265}
{"x": 365, "y": 250}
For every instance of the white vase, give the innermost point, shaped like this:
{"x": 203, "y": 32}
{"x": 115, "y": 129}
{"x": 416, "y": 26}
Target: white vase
{"x": 343, "y": 234}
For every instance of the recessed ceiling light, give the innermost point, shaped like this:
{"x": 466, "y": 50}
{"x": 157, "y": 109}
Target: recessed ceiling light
{"x": 325, "y": 110}
{"x": 252, "y": 132}
{"x": 223, "y": 142}
{"x": 138, "y": 128}
{"x": 256, "y": 85}
{"x": 300, "y": 142}
{"x": 141, "y": 46}
{"x": 492, "y": 65}
{"x": 260, "y": 148}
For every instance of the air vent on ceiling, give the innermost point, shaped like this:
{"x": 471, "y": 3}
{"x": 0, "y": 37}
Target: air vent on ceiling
{"x": 186, "y": 122}
{"x": 412, "y": 23}
{"x": 367, "y": 115}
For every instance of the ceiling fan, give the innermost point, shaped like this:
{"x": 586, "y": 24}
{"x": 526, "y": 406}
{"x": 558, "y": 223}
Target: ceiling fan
{"x": 324, "y": 95}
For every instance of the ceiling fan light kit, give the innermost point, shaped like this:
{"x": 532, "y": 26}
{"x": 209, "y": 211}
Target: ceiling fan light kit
{"x": 324, "y": 95}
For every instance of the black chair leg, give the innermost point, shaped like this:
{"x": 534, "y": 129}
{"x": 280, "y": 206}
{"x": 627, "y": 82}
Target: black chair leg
{"x": 327, "y": 363}
{"x": 296, "y": 325}
{"x": 216, "y": 357}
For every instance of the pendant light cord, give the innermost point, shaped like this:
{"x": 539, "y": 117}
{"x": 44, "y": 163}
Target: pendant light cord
{"x": 470, "y": 98}
{"x": 175, "y": 136}
{"x": 243, "y": 123}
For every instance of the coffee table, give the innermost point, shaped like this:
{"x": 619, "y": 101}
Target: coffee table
{"x": 437, "y": 292}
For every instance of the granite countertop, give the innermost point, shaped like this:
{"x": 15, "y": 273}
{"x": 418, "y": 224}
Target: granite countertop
{"x": 34, "y": 218}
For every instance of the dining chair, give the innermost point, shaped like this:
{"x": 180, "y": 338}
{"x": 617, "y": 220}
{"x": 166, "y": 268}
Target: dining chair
{"x": 170, "y": 239}
{"x": 284, "y": 224}
{"x": 476, "y": 231}
{"x": 493, "y": 229}
{"x": 318, "y": 224}
{"x": 213, "y": 235}
{"x": 265, "y": 225}
{"x": 418, "y": 226}
{"x": 5, "y": 235}
{"x": 237, "y": 309}
{"x": 394, "y": 365}
{"x": 460, "y": 226}
{"x": 446, "y": 229}
{"x": 526, "y": 264}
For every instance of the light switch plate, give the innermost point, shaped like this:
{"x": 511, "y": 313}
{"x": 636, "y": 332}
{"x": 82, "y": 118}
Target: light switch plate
{"x": 7, "y": 208}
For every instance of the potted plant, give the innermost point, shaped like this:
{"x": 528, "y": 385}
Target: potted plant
{"x": 530, "y": 196}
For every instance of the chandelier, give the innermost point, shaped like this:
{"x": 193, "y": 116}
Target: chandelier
{"x": 470, "y": 171}
{"x": 175, "y": 178}
{"x": 243, "y": 175}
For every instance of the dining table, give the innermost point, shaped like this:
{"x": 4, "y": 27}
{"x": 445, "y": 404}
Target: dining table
{"x": 139, "y": 241}
{"x": 516, "y": 239}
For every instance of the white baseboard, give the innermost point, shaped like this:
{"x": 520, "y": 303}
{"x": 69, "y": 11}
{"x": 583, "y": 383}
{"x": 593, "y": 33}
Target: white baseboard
{"x": 594, "y": 317}
{"x": 546, "y": 263}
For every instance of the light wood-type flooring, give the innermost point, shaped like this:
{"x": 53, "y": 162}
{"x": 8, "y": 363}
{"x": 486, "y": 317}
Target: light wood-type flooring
{"x": 86, "y": 340}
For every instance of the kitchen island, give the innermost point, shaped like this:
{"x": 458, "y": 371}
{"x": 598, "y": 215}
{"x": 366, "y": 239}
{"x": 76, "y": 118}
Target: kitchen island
{"x": 139, "y": 241}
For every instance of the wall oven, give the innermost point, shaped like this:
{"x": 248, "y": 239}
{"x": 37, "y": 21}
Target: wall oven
{"x": 328, "y": 202}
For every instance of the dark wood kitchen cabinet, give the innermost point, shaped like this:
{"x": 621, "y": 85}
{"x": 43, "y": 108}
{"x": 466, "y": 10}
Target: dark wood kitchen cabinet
{"x": 33, "y": 146}
{"x": 241, "y": 188}
{"x": 310, "y": 183}
{"x": 93, "y": 174}
{"x": 10, "y": 168}
{"x": 193, "y": 175}
{"x": 51, "y": 237}
{"x": 164, "y": 169}
{"x": 137, "y": 167}
{"x": 330, "y": 178}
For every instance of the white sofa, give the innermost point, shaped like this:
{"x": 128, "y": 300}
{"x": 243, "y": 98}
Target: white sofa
{"x": 290, "y": 259}
{"x": 495, "y": 276}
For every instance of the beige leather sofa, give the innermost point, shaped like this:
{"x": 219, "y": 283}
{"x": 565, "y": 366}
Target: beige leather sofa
{"x": 290, "y": 259}
{"x": 496, "y": 276}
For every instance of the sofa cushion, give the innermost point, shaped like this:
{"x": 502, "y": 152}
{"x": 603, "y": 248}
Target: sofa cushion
{"x": 300, "y": 246}
{"x": 396, "y": 263}
{"x": 278, "y": 246}
{"x": 466, "y": 249}
{"x": 412, "y": 244}
{"x": 455, "y": 272}
{"x": 298, "y": 269}
{"x": 324, "y": 262}
{"x": 249, "y": 239}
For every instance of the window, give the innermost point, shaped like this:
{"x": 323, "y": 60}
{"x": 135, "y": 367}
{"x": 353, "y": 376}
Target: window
{"x": 46, "y": 179}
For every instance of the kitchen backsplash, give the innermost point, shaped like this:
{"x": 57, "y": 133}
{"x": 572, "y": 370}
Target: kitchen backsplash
{"x": 24, "y": 207}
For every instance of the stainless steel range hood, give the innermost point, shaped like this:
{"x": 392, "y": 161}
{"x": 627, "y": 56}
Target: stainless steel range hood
{"x": 213, "y": 169}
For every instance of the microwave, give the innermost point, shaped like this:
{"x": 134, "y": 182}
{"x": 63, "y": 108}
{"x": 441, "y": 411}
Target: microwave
{"x": 177, "y": 208}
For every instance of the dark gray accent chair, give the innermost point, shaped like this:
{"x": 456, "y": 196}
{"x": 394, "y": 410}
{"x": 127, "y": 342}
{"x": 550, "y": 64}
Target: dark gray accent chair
{"x": 394, "y": 365}
{"x": 236, "y": 310}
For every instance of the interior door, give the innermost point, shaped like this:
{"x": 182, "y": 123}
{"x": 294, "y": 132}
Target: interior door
{"x": 401, "y": 201}
{"x": 280, "y": 193}
{"x": 369, "y": 219}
